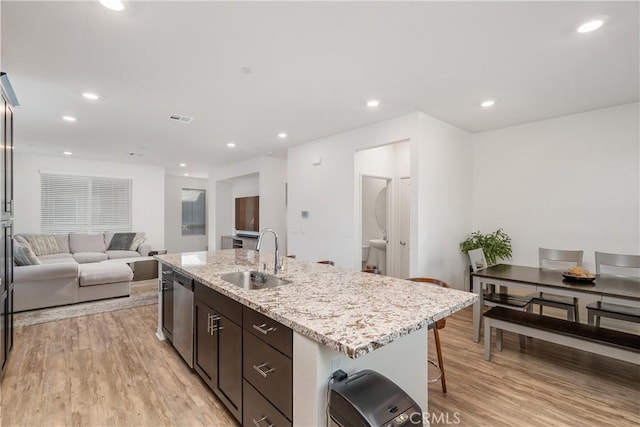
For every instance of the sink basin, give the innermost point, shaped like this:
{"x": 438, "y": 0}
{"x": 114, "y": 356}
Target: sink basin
{"x": 253, "y": 280}
{"x": 378, "y": 244}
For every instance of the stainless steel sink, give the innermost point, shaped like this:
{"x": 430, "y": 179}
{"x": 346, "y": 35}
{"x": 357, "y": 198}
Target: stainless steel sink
{"x": 253, "y": 280}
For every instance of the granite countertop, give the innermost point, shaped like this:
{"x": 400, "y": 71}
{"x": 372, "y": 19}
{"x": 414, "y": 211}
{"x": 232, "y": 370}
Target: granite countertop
{"x": 349, "y": 311}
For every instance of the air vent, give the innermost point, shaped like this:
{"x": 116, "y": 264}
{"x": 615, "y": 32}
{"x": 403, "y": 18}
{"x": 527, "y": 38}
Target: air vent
{"x": 181, "y": 119}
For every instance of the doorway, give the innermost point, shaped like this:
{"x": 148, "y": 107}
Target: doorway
{"x": 374, "y": 212}
{"x": 383, "y": 208}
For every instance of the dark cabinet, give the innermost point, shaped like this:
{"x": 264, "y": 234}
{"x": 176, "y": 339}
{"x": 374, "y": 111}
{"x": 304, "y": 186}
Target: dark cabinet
{"x": 267, "y": 370}
{"x": 205, "y": 355}
{"x": 6, "y": 220}
{"x": 218, "y": 346}
{"x": 166, "y": 283}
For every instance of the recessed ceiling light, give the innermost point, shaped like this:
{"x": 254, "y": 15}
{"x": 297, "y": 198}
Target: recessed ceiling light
{"x": 488, "y": 103}
{"x": 373, "y": 103}
{"x": 593, "y": 25}
{"x": 231, "y": 144}
{"x": 67, "y": 153}
{"x": 91, "y": 96}
{"x": 116, "y": 5}
{"x": 69, "y": 118}
{"x": 183, "y": 165}
{"x": 186, "y": 174}
{"x": 282, "y": 135}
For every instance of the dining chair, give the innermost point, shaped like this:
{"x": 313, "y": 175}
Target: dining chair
{"x": 617, "y": 263}
{"x": 327, "y": 262}
{"x": 440, "y": 324}
{"x": 558, "y": 259}
{"x": 491, "y": 297}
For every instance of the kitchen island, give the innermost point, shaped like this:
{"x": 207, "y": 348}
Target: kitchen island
{"x": 339, "y": 319}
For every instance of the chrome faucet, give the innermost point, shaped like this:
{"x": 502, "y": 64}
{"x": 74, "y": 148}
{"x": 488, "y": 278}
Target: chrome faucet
{"x": 277, "y": 264}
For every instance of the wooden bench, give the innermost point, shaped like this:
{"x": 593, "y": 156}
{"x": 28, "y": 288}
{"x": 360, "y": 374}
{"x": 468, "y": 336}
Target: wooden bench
{"x": 607, "y": 342}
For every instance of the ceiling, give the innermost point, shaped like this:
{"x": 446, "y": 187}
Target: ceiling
{"x": 313, "y": 66}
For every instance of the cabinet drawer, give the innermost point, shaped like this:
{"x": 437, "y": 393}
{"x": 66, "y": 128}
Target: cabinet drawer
{"x": 258, "y": 411}
{"x": 268, "y": 330}
{"x": 269, "y": 371}
{"x": 224, "y": 305}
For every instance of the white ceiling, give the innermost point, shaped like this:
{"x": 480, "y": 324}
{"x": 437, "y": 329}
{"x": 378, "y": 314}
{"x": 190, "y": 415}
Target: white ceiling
{"x": 314, "y": 65}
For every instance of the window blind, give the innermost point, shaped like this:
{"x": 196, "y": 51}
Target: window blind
{"x": 87, "y": 204}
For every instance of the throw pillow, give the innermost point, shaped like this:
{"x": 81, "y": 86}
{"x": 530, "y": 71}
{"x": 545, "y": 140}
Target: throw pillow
{"x": 43, "y": 244}
{"x": 23, "y": 255}
{"x": 137, "y": 241}
{"x": 121, "y": 242}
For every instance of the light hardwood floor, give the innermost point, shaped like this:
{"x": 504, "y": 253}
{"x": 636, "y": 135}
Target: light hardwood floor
{"x": 109, "y": 369}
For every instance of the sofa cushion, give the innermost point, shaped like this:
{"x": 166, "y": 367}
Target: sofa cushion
{"x": 23, "y": 255}
{"x": 42, "y": 244}
{"x": 108, "y": 235}
{"x": 86, "y": 243}
{"x": 89, "y": 257}
{"x": 104, "y": 272}
{"x": 30, "y": 273}
{"x": 137, "y": 241}
{"x": 123, "y": 254}
{"x": 63, "y": 242}
{"x": 56, "y": 258}
{"x": 121, "y": 241}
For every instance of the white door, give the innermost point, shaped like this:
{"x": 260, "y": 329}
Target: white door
{"x": 405, "y": 227}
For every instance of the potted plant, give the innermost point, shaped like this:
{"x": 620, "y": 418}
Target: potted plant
{"x": 496, "y": 245}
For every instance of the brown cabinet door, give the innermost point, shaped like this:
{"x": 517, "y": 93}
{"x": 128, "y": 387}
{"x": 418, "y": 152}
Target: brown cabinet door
{"x": 3, "y": 331}
{"x": 258, "y": 411}
{"x": 167, "y": 308}
{"x": 206, "y": 352}
{"x": 230, "y": 363}
{"x": 270, "y": 372}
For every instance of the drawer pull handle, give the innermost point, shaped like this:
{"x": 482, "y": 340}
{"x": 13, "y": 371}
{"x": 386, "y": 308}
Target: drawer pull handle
{"x": 262, "y": 330}
{"x": 258, "y": 422}
{"x": 262, "y": 371}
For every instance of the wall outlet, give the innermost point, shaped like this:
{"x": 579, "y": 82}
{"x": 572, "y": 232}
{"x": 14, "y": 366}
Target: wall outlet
{"x": 336, "y": 364}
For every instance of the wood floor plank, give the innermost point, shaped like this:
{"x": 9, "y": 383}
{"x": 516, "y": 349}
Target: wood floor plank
{"x": 108, "y": 369}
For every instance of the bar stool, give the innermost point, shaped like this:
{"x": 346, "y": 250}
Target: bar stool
{"x": 440, "y": 324}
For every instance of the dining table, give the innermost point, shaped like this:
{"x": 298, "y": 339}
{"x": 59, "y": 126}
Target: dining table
{"x": 604, "y": 288}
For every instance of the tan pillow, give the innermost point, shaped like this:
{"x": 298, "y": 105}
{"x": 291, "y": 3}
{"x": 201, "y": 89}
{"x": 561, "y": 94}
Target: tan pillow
{"x": 43, "y": 244}
{"x": 23, "y": 255}
{"x": 137, "y": 241}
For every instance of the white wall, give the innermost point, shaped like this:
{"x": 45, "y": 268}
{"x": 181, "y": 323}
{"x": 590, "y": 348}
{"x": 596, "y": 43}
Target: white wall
{"x": 567, "y": 183}
{"x": 147, "y": 190}
{"x": 328, "y": 191}
{"x": 371, "y": 187}
{"x": 441, "y": 196}
{"x": 174, "y": 240}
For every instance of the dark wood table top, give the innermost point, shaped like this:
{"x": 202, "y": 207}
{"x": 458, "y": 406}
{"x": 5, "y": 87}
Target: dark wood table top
{"x": 605, "y": 285}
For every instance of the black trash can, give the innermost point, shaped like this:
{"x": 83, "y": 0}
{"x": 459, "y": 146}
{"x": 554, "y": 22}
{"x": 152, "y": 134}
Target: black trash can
{"x": 369, "y": 399}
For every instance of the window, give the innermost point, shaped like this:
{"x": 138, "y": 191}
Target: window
{"x": 194, "y": 212}
{"x": 84, "y": 204}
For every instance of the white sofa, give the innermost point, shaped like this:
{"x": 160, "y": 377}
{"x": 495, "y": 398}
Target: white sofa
{"x": 80, "y": 268}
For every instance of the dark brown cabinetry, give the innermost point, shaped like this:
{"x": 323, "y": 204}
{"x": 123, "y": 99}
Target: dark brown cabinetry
{"x": 267, "y": 371}
{"x": 218, "y": 345}
{"x": 166, "y": 282}
{"x": 6, "y": 220}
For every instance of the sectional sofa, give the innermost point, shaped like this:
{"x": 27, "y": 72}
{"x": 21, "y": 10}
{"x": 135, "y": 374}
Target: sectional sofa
{"x": 71, "y": 268}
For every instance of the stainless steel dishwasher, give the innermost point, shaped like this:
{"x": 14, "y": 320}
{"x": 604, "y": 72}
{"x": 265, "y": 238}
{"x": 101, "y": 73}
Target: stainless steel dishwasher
{"x": 183, "y": 316}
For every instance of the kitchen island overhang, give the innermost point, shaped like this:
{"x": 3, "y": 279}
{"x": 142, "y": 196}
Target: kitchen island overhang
{"x": 339, "y": 317}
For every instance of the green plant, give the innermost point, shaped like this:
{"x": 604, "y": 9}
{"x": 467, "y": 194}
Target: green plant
{"x": 496, "y": 245}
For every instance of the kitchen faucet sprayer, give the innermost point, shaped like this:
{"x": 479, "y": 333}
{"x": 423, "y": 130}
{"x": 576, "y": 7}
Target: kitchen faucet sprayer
{"x": 277, "y": 264}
